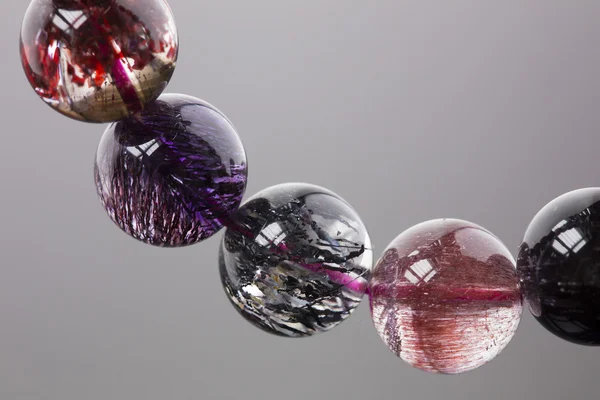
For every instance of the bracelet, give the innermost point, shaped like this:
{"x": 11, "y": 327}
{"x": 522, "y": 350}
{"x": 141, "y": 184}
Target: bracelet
{"x": 295, "y": 259}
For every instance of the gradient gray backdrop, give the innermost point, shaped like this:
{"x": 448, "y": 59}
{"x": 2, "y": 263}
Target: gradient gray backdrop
{"x": 482, "y": 109}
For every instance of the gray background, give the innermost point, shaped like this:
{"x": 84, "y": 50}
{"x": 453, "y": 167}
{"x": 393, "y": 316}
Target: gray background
{"x": 482, "y": 109}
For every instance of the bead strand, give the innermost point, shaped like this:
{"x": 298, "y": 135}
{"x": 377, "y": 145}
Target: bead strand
{"x": 295, "y": 260}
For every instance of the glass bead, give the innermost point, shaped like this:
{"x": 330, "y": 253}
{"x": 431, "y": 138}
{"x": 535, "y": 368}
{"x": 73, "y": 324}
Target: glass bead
{"x": 559, "y": 266}
{"x": 173, "y": 175}
{"x": 296, "y": 261}
{"x": 98, "y": 60}
{"x": 445, "y": 296}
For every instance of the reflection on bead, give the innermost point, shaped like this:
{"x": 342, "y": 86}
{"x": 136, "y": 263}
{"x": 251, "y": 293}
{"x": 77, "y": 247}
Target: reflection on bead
{"x": 173, "y": 175}
{"x": 445, "y": 296}
{"x": 559, "y": 266}
{"x": 98, "y": 60}
{"x": 297, "y": 260}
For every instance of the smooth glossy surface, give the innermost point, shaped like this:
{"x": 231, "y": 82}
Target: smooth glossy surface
{"x": 297, "y": 260}
{"x": 445, "y": 296}
{"x": 559, "y": 266}
{"x": 173, "y": 176}
{"x": 98, "y": 60}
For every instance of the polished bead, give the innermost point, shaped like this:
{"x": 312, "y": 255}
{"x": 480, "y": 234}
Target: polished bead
{"x": 559, "y": 266}
{"x": 98, "y": 60}
{"x": 445, "y": 296}
{"x": 173, "y": 175}
{"x": 296, "y": 261}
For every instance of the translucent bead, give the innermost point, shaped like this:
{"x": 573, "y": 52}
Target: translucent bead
{"x": 98, "y": 60}
{"x": 559, "y": 266}
{"x": 296, "y": 261}
{"x": 173, "y": 175}
{"x": 445, "y": 296}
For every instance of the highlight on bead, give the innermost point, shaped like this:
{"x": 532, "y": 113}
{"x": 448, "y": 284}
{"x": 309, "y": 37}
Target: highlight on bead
{"x": 559, "y": 266}
{"x": 445, "y": 296}
{"x": 98, "y": 60}
{"x": 296, "y": 260}
{"x": 172, "y": 175}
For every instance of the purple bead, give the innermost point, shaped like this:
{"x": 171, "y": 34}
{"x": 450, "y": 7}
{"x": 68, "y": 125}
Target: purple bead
{"x": 172, "y": 175}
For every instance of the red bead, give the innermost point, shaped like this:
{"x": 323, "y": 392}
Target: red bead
{"x": 445, "y": 296}
{"x": 98, "y": 60}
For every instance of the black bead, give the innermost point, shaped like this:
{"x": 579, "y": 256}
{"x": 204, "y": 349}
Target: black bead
{"x": 559, "y": 266}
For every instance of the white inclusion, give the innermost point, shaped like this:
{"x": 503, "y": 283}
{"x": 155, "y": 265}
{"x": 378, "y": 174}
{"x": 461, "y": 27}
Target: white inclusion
{"x": 168, "y": 37}
{"x": 561, "y": 223}
{"x": 294, "y": 325}
{"x": 296, "y": 302}
{"x": 52, "y": 48}
{"x": 408, "y": 275}
{"x": 559, "y": 247}
{"x": 414, "y": 253}
{"x": 421, "y": 268}
{"x": 78, "y": 71}
{"x": 116, "y": 47}
{"x": 253, "y": 291}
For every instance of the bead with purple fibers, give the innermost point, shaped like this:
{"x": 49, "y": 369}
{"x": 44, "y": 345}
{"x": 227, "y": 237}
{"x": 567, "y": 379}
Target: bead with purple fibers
{"x": 173, "y": 174}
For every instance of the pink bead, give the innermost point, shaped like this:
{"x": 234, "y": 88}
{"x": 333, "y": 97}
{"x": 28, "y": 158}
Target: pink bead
{"x": 445, "y": 296}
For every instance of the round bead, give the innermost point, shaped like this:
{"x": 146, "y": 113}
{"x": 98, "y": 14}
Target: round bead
{"x": 173, "y": 175}
{"x": 98, "y": 60}
{"x": 297, "y": 260}
{"x": 445, "y": 296}
{"x": 559, "y": 266}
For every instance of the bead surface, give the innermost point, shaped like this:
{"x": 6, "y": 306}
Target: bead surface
{"x": 172, "y": 176}
{"x": 445, "y": 296}
{"x": 297, "y": 260}
{"x": 559, "y": 266}
{"x": 98, "y": 60}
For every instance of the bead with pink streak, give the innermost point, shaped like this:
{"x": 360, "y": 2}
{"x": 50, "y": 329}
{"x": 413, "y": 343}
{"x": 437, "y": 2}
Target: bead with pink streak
{"x": 445, "y": 296}
{"x": 295, "y": 260}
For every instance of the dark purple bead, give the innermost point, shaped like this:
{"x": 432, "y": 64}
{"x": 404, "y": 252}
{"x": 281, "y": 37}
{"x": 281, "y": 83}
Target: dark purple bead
{"x": 172, "y": 175}
{"x": 559, "y": 266}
